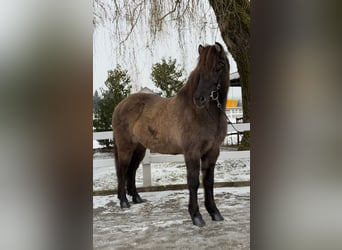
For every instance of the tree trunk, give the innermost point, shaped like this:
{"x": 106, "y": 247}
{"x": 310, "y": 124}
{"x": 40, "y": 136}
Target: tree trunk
{"x": 233, "y": 18}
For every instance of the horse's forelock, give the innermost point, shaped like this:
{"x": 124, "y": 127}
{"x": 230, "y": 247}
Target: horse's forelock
{"x": 208, "y": 58}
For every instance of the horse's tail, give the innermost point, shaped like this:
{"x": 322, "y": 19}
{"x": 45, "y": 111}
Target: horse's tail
{"x": 116, "y": 157}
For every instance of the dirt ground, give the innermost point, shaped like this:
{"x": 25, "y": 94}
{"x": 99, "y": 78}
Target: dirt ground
{"x": 162, "y": 222}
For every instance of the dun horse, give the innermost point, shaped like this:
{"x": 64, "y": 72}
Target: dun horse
{"x": 191, "y": 123}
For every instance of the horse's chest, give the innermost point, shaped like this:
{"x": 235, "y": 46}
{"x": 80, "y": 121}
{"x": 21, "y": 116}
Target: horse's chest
{"x": 208, "y": 141}
{"x": 214, "y": 131}
{"x": 207, "y": 137}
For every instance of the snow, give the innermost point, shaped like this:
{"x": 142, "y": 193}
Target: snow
{"x": 154, "y": 197}
{"x": 96, "y": 144}
{"x": 104, "y": 176}
{"x": 163, "y": 222}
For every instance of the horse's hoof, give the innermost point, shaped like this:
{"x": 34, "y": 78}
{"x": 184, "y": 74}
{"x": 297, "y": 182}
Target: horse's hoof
{"x": 124, "y": 204}
{"x": 198, "y": 221}
{"x": 216, "y": 216}
{"x": 137, "y": 199}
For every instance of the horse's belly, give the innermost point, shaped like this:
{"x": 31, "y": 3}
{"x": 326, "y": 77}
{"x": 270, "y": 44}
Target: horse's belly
{"x": 162, "y": 146}
{"x": 170, "y": 149}
{"x": 158, "y": 141}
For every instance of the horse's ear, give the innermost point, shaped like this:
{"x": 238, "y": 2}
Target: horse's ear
{"x": 218, "y": 47}
{"x": 200, "y": 49}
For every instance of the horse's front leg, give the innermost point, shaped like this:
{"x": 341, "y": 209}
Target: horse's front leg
{"x": 208, "y": 166}
{"x": 192, "y": 167}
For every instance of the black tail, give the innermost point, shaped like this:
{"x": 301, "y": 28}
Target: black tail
{"x": 116, "y": 157}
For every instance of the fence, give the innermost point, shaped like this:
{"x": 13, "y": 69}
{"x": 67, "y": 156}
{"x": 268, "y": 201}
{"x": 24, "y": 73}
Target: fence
{"x": 160, "y": 158}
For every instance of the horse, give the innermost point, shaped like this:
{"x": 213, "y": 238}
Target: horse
{"x": 191, "y": 123}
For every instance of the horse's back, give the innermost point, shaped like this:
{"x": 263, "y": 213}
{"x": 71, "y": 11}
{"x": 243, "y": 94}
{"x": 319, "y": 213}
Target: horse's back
{"x": 131, "y": 107}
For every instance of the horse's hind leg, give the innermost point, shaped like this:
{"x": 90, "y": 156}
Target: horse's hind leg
{"x": 122, "y": 160}
{"x": 137, "y": 157}
{"x": 208, "y": 166}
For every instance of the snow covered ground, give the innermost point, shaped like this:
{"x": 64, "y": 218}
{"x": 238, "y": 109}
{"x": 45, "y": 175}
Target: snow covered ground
{"x": 104, "y": 176}
{"x": 163, "y": 222}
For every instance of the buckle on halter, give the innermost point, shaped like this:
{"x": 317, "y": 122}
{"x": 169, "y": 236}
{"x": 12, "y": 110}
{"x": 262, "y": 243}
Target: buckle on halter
{"x": 214, "y": 95}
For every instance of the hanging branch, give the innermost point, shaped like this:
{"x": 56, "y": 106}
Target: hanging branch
{"x": 134, "y": 23}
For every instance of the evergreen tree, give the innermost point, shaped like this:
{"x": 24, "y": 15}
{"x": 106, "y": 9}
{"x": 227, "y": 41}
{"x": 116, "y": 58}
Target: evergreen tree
{"x": 117, "y": 88}
{"x": 166, "y": 76}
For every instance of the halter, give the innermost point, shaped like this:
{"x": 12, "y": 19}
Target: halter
{"x": 214, "y": 95}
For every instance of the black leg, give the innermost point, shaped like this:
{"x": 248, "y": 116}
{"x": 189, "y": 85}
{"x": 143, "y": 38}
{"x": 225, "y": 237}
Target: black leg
{"x": 193, "y": 166}
{"x": 121, "y": 174}
{"x": 138, "y": 156}
{"x": 208, "y": 166}
{"x": 122, "y": 165}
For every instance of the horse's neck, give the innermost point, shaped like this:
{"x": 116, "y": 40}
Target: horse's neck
{"x": 185, "y": 94}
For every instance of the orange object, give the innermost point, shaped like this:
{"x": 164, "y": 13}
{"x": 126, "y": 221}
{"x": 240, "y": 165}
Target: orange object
{"x": 231, "y": 103}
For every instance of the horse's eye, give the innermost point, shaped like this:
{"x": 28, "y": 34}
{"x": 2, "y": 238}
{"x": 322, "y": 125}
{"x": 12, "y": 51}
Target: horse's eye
{"x": 219, "y": 66}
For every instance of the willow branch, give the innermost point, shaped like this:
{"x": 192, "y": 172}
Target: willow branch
{"x": 171, "y": 11}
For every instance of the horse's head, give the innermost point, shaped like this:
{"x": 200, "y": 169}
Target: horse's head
{"x": 213, "y": 70}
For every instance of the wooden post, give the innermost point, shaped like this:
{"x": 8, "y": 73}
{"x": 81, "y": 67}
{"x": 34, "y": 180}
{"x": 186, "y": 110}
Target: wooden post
{"x": 147, "y": 180}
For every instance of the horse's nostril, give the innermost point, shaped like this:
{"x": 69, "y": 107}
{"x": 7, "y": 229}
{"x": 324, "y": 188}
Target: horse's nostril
{"x": 202, "y": 99}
